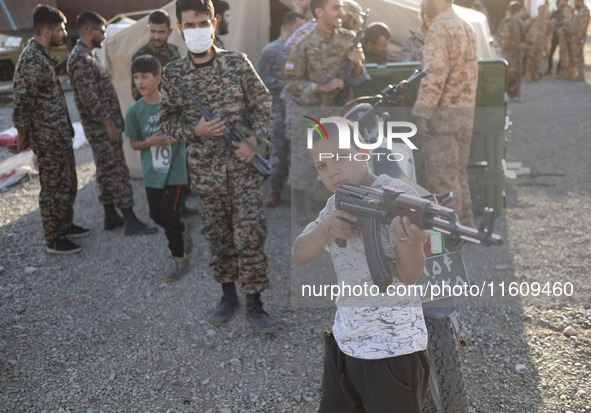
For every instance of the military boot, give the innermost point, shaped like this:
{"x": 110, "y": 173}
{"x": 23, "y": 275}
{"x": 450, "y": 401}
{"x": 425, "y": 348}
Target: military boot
{"x": 134, "y": 226}
{"x": 228, "y": 303}
{"x": 256, "y": 314}
{"x": 112, "y": 218}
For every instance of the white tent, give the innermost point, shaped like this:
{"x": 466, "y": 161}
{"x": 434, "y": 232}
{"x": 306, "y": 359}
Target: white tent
{"x": 249, "y": 33}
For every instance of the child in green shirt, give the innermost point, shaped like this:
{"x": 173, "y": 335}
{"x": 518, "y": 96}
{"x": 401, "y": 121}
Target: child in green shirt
{"x": 164, "y": 163}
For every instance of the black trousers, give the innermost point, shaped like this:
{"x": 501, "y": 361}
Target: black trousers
{"x": 393, "y": 385}
{"x": 165, "y": 208}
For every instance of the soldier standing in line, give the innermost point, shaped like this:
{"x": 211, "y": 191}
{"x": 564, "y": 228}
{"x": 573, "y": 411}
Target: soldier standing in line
{"x": 229, "y": 186}
{"x": 445, "y": 104}
{"x": 158, "y": 46}
{"x": 565, "y": 69}
{"x": 578, "y": 31}
{"x": 513, "y": 44}
{"x": 102, "y": 121}
{"x": 223, "y": 17}
{"x": 42, "y": 121}
{"x": 555, "y": 20}
{"x": 314, "y": 78}
{"x": 538, "y": 33}
{"x": 270, "y": 68}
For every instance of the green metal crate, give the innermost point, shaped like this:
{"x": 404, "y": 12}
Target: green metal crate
{"x": 487, "y": 190}
{"x": 487, "y": 151}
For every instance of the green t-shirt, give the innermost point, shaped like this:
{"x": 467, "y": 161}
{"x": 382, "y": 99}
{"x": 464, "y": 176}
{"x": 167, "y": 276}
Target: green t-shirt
{"x": 161, "y": 166}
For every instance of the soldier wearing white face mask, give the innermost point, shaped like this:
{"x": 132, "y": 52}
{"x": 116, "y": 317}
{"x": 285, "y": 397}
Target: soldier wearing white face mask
{"x": 229, "y": 186}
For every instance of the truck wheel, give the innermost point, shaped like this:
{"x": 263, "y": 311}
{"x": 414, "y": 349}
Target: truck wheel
{"x": 6, "y": 70}
{"x": 447, "y": 390}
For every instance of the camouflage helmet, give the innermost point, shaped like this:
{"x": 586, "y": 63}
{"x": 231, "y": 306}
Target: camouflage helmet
{"x": 353, "y": 9}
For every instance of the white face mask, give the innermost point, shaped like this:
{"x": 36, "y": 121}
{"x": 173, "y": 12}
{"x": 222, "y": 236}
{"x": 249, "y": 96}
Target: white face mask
{"x": 198, "y": 40}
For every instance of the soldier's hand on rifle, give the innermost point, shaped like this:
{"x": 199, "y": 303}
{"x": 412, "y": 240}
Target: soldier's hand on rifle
{"x": 214, "y": 127}
{"x": 244, "y": 153}
{"x": 339, "y": 224}
{"x": 112, "y": 131}
{"x": 330, "y": 86}
{"x": 408, "y": 233}
{"x": 358, "y": 58}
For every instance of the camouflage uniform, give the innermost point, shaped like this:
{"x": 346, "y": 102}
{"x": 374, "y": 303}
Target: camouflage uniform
{"x": 511, "y": 39}
{"x": 578, "y": 36}
{"x": 317, "y": 59}
{"x": 96, "y": 100}
{"x": 412, "y": 48}
{"x": 229, "y": 190}
{"x": 270, "y": 68}
{"x": 563, "y": 41}
{"x": 296, "y": 36}
{"x": 40, "y": 109}
{"x": 538, "y": 33}
{"x": 165, "y": 56}
{"x": 446, "y": 98}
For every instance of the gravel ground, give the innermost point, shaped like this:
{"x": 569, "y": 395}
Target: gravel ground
{"x": 101, "y": 331}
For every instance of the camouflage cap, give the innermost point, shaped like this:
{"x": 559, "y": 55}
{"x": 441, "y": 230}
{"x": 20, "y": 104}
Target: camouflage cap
{"x": 352, "y": 9}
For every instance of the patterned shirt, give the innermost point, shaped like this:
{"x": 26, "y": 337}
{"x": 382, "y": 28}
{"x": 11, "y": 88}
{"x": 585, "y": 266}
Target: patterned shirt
{"x": 228, "y": 87}
{"x": 318, "y": 58}
{"x": 94, "y": 92}
{"x": 39, "y": 104}
{"x": 166, "y": 55}
{"x": 372, "y": 327}
{"x": 412, "y": 48}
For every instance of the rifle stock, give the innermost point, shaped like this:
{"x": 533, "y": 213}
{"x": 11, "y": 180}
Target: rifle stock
{"x": 230, "y": 133}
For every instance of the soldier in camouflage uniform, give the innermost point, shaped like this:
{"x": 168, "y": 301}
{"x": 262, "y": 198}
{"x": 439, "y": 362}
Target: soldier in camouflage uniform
{"x": 538, "y": 33}
{"x": 445, "y": 103}
{"x": 229, "y": 186}
{"x": 102, "y": 121}
{"x": 513, "y": 44}
{"x": 412, "y": 47}
{"x": 565, "y": 70}
{"x": 314, "y": 74}
{"x": 270, "y": 68}
{"x": 158, "y": 46}
{"x": 43, "y": 123}
{"x": 578, "y": 36}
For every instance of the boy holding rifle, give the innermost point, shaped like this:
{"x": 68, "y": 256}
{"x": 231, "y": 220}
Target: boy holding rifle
{"x": 375, "y": 357}
{"x": 228, "y": 184}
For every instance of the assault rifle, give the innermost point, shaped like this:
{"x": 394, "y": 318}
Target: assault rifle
{"x": 374, "y": 207}
{"x": 237, "y": 133}
{"x": 391, "y": 94}
{"x": 357, "y": 42}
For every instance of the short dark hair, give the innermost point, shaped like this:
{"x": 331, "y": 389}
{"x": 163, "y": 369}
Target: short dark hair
{"x": 220, "y": 6}
{"x": 375, "y": 30}
{"x": 159, "y": 17}
{"x": 87, "y": 18}
{"x": 290, "y": 18}
{"x": 146, "y": 64}
{"x": 199, "y": 6}
{"x": 46, "y": 16}
{"x": 317, "y": 4}
{"x": 515, "y": 7}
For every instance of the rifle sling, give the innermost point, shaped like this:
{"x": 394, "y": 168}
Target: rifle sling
{"x": 255, "y": 148}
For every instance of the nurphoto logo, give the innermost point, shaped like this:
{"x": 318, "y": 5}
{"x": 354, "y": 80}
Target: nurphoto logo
{"x": 387, "y": 131}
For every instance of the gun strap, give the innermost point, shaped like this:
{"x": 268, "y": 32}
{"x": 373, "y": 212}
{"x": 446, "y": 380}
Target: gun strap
{"x": 255, "y": 148}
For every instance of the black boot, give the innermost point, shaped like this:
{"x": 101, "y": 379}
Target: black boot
{"x": 228, "y": 303}
{"x": 134, "y": 226}
{"x": 112, "y": 218}
{"x": 256, "y": 314}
